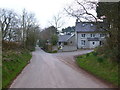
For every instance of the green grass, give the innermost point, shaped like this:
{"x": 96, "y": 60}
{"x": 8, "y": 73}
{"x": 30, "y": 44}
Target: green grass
{"x": 13, "y": 63}
{"x": 99, "y": 66}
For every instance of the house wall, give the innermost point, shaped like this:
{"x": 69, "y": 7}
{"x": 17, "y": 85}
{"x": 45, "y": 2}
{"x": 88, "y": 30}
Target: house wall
{"x": 71, "y": 41}
{"x": 96, "y": 43}
{"x": 69, "y": 48}
{"x": 71, "y": 45}
{"x": 88, "y": 44}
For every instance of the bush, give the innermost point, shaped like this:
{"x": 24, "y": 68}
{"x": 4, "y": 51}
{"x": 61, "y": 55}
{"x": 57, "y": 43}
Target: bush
{"x": 79, "y": 56}
{"x": 59, "y": 47}
{"x": 88, "y": 54}
{"x": 55, "y": 51}
{"x": 95, "y": 53}
{"x": 100, "y": 59}
{"x": 6, "y": 45}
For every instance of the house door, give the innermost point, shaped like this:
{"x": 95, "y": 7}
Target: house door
{"x": 92, "y": 44}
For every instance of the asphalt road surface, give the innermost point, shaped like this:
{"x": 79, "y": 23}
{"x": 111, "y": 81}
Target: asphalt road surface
{"x": 50, "y": 71}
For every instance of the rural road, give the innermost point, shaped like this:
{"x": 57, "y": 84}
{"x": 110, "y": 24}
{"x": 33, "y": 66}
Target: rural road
{"x": 49, "y": 71}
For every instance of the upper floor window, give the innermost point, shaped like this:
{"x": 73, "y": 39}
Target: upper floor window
{"x": 83, "y": 35}
{"x": 102, "y": 35}
{"x": 92, "y": 35}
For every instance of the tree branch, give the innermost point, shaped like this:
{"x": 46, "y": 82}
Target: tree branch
{"x": 86, "y": 10}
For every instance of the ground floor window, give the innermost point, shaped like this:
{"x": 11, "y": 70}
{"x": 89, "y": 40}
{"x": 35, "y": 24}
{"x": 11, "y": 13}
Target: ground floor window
{"x": 59, "y": 43}
{"x": 65, "y": 43}
{"x": 82, "y": 42}
{"x": 101, "y": 43}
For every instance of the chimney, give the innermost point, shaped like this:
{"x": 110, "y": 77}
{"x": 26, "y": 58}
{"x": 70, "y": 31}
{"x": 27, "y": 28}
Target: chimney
{"x": 77, "y": 20}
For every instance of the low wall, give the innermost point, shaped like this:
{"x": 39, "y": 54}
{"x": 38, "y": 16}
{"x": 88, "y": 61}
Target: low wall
{"x": 69, "y": 48}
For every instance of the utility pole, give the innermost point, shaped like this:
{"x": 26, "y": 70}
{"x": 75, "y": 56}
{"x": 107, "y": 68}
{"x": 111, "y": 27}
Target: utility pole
{"x": 23, "y": 33}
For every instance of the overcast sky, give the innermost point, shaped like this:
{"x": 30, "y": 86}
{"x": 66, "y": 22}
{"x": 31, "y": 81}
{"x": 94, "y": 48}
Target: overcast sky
{"x": 43, "y": 9}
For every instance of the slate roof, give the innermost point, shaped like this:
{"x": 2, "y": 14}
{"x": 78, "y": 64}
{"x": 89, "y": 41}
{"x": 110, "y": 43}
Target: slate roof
{"x": 64, "y": 38}
{"x": 90, "y": 26}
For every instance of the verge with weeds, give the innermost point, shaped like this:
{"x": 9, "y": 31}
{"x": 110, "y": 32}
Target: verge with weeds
{"x": 13, "y": 63}
{"x": 100, "y": 66}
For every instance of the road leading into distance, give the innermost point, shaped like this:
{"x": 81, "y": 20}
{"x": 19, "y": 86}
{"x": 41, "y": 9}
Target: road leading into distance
{"x": 47, "y": 71}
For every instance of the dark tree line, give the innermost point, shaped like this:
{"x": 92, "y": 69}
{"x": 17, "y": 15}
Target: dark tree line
{"x": 68, "y": 30}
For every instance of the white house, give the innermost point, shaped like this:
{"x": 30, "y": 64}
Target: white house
{"x": 90, "y": 34}
{"x": 87, "y": 35}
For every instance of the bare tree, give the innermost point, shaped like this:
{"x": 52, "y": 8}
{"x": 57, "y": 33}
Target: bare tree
{"x": 21, "y": 28}
{"x": 29, "y": 27}
{"x": 8, "y": 22}
{"x": 57, "y": 21}
{"x": 82, "y": 10}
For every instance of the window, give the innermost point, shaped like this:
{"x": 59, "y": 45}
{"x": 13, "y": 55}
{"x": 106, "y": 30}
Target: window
{"x": 101, "y": 43}
{"x": 82, "y": 42}
{"x": 59, "y": 43}
{"x": 102, "y": 35}
{"x": 65, "y": 43}
{"x": 93, "y": 43}
{"x": 92, "y": 35}
{"x": 83, "y": 35}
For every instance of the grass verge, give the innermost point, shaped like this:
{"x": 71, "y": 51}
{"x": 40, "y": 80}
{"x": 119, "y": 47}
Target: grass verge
{"x": 12, "y": 64}
{"x": 100, "y": 66}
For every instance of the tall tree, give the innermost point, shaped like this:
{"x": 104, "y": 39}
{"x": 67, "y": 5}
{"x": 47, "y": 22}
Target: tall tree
{"x": 29, "y": 26}
{"x": 50, "y": 34}
{"x": 111, "y": 11}
{"x": 8, "y": 24}
{"x": 19, "y": 28}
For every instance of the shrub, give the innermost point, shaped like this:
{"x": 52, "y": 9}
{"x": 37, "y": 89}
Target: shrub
{"x": 100, "y": 59}
{"x": 7, "y": 45}
{"x": 95, "y": 53}
{"x": 88, "y": 54}
{"x": 55, "y": 51}
{"x": 59, "y": 47}
{"x": 79, "y": 56}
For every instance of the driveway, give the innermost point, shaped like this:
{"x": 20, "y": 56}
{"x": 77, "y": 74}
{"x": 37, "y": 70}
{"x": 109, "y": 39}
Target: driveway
{"x": 50, "y": 71}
